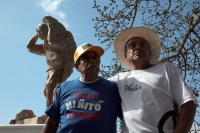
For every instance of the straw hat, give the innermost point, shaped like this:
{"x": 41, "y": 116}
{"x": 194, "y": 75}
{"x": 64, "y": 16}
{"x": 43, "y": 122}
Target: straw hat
{"x": 86, "y": 47}
{"x": 149, "y": 35}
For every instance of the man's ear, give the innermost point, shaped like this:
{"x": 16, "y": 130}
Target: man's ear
{"x": 76, "y": 66}
{"x": 149, "y": 55}
{"x": 125, "y": 55}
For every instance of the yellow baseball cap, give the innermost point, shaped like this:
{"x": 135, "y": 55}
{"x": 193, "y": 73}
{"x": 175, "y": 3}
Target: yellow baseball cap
{"x": 85, "y": 48}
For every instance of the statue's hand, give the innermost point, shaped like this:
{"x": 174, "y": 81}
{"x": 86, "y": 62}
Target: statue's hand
{"x": 36, "y": 35}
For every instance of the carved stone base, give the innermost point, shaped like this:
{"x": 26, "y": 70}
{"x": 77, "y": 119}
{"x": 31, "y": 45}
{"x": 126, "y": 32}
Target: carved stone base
{"x": 35, "y": 120}
{"x": 28, "y": 117}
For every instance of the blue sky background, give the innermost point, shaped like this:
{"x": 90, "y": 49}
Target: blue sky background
{"x": 23, "y": 74}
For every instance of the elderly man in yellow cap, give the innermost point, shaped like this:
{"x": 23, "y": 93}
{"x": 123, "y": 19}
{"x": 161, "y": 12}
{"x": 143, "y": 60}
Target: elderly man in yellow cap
{"x": 89, "y": 104}
{"x": 149, "y": 90}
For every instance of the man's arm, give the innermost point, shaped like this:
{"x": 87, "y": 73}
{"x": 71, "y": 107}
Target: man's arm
{"x": 185, "y": 117}
{"x": 51, "y": 126}
{"x": 54, "y": 91}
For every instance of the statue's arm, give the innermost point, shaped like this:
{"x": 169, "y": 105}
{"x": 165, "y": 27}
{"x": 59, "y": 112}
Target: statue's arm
{"x": 54, "y": 39}
{"x": 71, "y": 47}
{"x": 33, "y": 48}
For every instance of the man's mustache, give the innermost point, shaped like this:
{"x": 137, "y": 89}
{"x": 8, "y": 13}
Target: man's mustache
{"x": 92, "y": 65}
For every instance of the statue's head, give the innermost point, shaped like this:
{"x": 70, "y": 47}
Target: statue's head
{"x": 42, "y": 31}
{"x": 58, "y": 27}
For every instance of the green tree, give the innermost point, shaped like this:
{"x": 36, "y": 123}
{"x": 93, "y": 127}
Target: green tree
{"x": 176, "y": 22}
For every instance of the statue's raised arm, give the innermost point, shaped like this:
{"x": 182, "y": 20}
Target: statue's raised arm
{"x": 41, "y": 32}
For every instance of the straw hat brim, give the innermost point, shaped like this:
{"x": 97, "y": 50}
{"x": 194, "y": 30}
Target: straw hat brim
{"x": 149, "y": 35}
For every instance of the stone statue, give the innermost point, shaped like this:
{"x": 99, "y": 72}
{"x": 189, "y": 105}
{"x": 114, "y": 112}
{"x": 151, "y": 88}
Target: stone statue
{"x": 58, "y": 47}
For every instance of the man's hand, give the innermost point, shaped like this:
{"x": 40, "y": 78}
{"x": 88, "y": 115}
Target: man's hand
{"x": 185, "y": 117}
{"x": 176, "y": 108}
{"x": 54, "y": 91}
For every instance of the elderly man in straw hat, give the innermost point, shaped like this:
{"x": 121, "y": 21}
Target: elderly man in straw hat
{"x": 149, "y": 89}
{"x": 89, "y": 104}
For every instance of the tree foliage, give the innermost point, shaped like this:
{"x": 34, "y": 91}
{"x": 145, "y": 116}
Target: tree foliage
{"x": 177, "y": 22}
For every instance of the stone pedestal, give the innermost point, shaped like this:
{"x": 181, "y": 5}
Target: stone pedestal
{"x": 21, "y": 128}
{"x": 35, "y": 120}
{"x": 28, "y": 117}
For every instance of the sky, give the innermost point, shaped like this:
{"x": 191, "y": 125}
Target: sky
{"x": 23, "y": 74}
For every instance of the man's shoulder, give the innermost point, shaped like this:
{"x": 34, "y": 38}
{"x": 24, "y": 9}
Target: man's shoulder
{"x": 69, "y": 82}
{"x": 107, "y": 81}
{"x": 120, "y": 75}
{"x": 164, "y": 63}
{"x": 166, "y": 66}
{"x": 66, "y": 85}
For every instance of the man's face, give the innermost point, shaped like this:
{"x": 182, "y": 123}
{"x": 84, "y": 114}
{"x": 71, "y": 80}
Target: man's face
{"x": 137, "y": 50}
{"x": 88, "y": 63}
{"x": 42, "y": 31}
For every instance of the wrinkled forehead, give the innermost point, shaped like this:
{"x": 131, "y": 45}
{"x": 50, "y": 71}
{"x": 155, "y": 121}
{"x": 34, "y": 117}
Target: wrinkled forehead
{"x": 134, "y": 39}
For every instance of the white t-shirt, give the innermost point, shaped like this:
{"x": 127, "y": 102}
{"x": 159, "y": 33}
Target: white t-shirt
{"x": 148, "y": 94}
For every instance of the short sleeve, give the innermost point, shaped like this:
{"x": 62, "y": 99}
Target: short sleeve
{"x": 181, "y": 92}
{"x": 53, "y": 110}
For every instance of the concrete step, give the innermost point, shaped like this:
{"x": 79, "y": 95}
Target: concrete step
{"x": 21, "y": 128}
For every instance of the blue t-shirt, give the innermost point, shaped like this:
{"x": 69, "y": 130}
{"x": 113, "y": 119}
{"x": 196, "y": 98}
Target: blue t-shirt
{"x": 86, "y": 107}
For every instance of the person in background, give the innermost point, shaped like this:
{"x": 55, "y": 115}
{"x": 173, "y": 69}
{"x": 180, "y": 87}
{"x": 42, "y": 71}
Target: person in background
{"x": 89, "y": 104}
{"x": 13, "y": 121}
{"x": 150, "y": 88}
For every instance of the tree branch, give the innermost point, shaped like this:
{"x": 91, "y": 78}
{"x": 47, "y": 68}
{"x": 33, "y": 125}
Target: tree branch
{"x": 191, "y": 29}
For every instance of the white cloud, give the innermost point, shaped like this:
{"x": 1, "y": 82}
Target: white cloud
{"x": 51, "y": 6}
{"x": 77, "y": 34}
